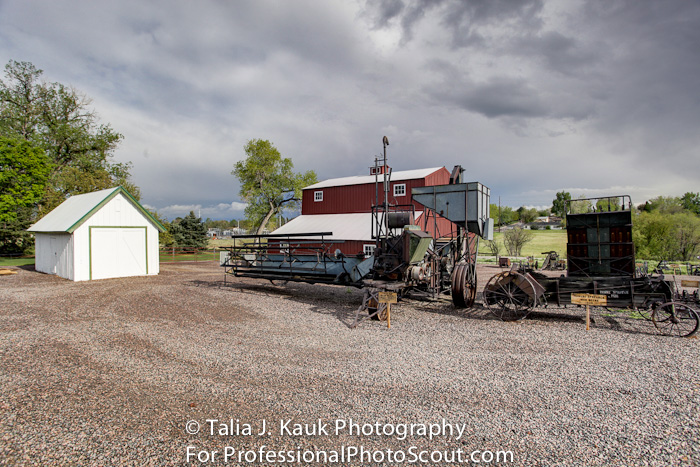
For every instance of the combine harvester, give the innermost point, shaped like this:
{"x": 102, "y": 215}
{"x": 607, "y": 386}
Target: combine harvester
{"x": 407, "y": 259}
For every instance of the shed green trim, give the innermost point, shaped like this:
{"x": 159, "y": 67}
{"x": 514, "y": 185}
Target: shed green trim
{"x": 109, "y": 197}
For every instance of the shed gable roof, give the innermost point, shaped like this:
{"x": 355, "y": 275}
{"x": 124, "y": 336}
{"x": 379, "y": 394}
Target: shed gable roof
{"x": 74, "y": 211}
{"x": 362, "y": 179}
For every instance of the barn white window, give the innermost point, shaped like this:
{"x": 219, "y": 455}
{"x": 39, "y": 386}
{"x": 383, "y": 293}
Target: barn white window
{"x": 400, "y": 190}
{"x": 368, "y": 249}
{"x": 318, "y": 196}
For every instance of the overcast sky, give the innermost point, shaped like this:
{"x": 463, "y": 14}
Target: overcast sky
{"x": 531, "y": 97}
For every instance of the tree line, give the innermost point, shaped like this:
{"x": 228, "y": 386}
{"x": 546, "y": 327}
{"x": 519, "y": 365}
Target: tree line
{"x": 668, "y": 228}
{"x": 52, "y": 146}
{"x": 664, "y": 228}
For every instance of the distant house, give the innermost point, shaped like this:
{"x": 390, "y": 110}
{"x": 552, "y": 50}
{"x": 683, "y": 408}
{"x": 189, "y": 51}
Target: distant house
{"x": 545, "y": 223}
{"x": 343, "y": 206}
{"x": 98, "y": 235}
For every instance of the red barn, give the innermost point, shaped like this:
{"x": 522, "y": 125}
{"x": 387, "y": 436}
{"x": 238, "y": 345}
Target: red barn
{"x": 343, "y": 206}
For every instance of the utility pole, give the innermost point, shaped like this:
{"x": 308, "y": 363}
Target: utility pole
{"x": 385, "y": 142}
{"x": 499, "y": 215}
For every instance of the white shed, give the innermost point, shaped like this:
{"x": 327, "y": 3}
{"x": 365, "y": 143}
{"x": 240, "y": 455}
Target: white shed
{"x": 98, "y": 235}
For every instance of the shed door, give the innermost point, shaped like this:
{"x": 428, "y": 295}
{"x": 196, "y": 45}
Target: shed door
{"x": 117, "y": 252}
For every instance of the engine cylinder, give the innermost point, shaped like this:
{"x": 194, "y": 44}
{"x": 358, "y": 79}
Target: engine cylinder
{"x": 398, "y": 219}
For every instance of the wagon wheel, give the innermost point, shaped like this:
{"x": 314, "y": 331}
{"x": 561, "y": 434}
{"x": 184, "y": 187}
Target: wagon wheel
{"x": 506, "y": 296}
{"x": 372, "y": 306}
{"x": 675, "y": 319}
{"x": 464, "y": 285}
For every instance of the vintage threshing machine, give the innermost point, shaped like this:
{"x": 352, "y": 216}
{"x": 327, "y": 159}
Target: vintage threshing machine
{"x": 601, "y": 262}
{"x": 407, "y": 258}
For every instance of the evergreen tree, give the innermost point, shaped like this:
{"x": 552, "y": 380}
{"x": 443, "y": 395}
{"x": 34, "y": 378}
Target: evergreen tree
{"x": 189, "y": 232}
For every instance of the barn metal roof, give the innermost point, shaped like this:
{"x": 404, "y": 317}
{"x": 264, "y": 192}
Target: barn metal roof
{"x": 74, "y": 211}
{"x": 354, "y": 226}
{"x": 362, "y": 179}
{"x": 357, "y": 226}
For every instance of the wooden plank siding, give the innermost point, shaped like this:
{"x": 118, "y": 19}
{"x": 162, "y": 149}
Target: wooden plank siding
{"x": 346, "y": 199}
{"x": 360, "y": 198}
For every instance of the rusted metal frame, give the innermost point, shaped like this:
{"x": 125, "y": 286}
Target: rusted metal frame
{"x": 325, "y": 268}
{"x": 369, "y": 294}
{"x": 649, "y": 297}
{"x": 597, "y": 227}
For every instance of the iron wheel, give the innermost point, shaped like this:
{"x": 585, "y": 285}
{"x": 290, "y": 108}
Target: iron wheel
{"x": 505, "y": 298}
{"x": 675, "y": 319}
{"x": 463, "y": 288}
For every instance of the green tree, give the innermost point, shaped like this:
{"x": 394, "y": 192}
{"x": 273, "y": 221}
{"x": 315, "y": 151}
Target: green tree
{"x": 527, "y": 215}
{"x": 691, "y": 202}
{"x": 664, "y": 236}
{"x": 165, "y": 239}
{"x": 686, "y": 232}
{"x": 268, "y": 184}
{"x": 24, "y": 171}
{"x": 650, "y": 235}
{"x": 58, "y": 119}
{"x": 189, "y": 232}
{"x": 580, "y": 205}
{"x": 505, "y": 217}
{"x": 559, "y": 203}
{"x": 607, "y": 204}
{"x": 663, "y": 204}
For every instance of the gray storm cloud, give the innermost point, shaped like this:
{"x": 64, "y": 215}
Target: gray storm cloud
{"x": 530, "y": 97}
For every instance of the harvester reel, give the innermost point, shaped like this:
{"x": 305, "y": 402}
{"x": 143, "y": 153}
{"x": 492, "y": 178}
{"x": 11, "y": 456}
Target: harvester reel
{"x": 509, "y": 295}
{"x": 464, "y": 285}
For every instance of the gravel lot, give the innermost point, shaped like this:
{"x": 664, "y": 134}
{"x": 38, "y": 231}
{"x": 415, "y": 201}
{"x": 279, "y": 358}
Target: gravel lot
{"x": 109, "y": 373}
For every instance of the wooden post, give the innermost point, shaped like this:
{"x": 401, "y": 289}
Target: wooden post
{"x": 387, "y": 298}
{"x": 588, "y": 300}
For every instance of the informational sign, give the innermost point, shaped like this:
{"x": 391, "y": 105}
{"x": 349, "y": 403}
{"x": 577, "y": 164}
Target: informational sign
{"x": 387, "y": 297}
{"x": 588, "y": 299}
{"x": 690, "y": 283}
